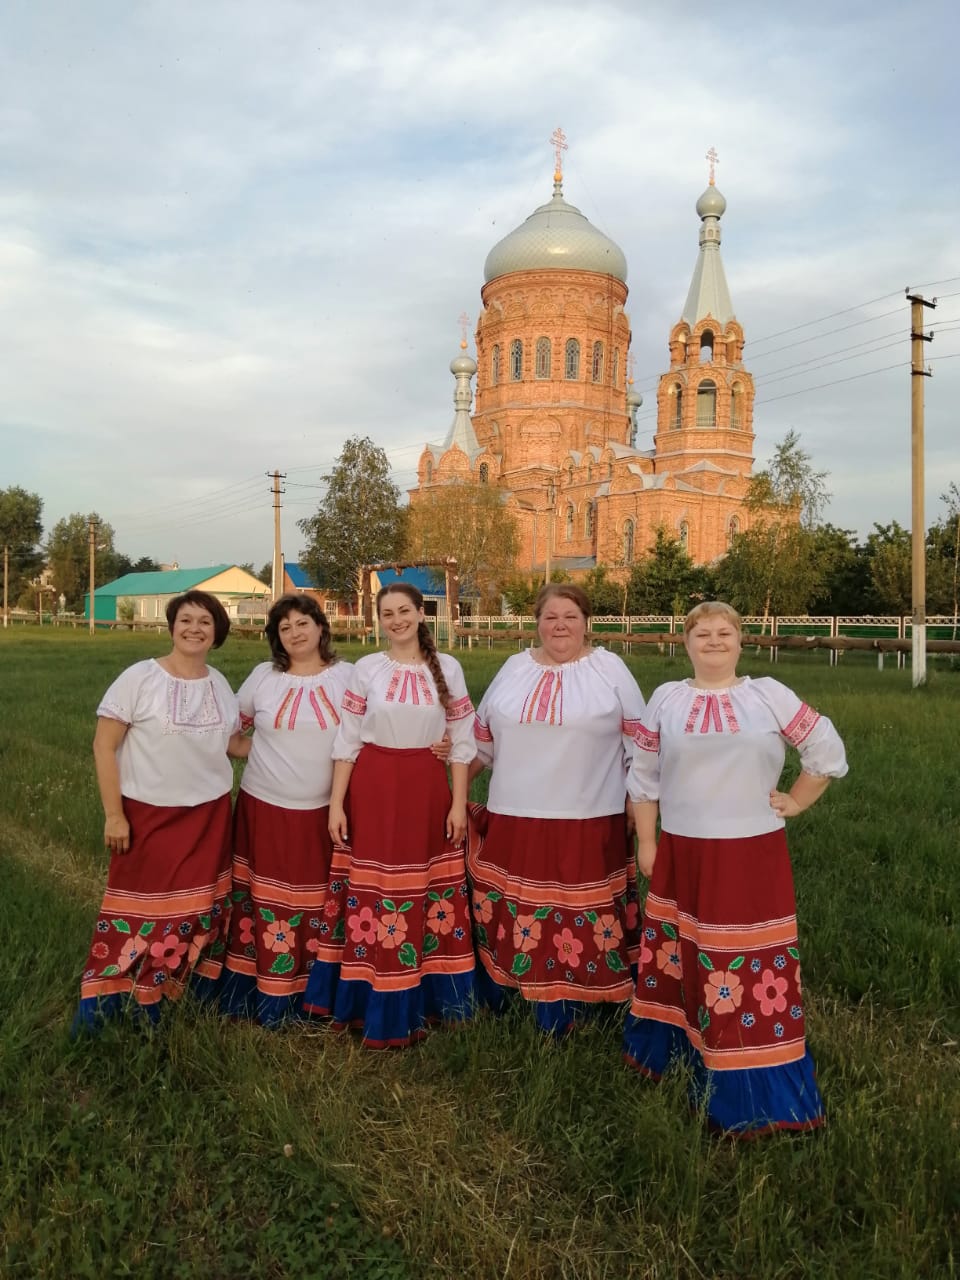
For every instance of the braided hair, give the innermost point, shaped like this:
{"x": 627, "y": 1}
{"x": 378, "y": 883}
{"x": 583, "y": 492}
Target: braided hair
{"x": 424, "y": 637}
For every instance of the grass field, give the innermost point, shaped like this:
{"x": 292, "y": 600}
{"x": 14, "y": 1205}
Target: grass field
{"x": 485, "y": 1152}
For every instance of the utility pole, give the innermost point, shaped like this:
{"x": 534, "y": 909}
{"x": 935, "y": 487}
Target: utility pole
{"x": 92, "y": 539}
{"x": 276, "y": 586}
{"x": 6, "y": 579}
{"x": 918, "y": 630}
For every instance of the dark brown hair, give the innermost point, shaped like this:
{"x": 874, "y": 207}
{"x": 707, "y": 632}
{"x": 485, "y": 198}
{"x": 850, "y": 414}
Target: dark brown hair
{"x": 424, "y": 637}
{"x": 202, "y": 600}
{"x": 282, "y": 608}
{"x": 566, "y": 591}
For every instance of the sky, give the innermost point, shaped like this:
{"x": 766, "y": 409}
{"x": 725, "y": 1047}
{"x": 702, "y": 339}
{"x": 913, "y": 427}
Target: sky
{"x": 234, "y": 234}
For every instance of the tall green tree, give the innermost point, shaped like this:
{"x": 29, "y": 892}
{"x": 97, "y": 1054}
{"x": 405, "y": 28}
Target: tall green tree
{"x": 773, "y": 567}
{"x": 359, "y": 521}
{"x": 469, "y": 522}
{"x": 845, "y": 566}
{"x": 68, "y": 556}
{"x": 890, "y": 555}
{"x": 665, "y": 581}
{"x": 20, "y": 531}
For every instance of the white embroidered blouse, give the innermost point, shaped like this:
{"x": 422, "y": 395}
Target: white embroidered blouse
{"x": 559, "y": 739}
{"x": 712, "y": 757}
{"x": 175, "y": 749}
{"x": 295, "y": 719}
{"x": 392, "y": 704}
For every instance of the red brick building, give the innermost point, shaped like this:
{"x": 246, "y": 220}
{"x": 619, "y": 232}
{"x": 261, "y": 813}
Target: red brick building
{"x": 555, "y": 418}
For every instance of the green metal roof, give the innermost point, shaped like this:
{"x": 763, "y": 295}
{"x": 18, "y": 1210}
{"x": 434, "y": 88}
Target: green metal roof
{"x": 168, "y": 582}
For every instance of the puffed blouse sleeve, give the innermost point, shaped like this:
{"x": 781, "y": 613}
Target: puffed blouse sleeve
{"x": 460, "y": 713}
{"x": 820, "y": 746}
{"x": 643, "y": 780}
{"x": 247, "y": 695}
{"x": 482, "y": 733}
{"x": 616, "y": 672}
{"x": 349, "y": 739}
{"x": 120, "y": 700}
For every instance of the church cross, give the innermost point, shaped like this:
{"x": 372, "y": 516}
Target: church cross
{"x": 559, "y": 140}
{"x": 464, "y": 323}
{"x": 714, "y": 159}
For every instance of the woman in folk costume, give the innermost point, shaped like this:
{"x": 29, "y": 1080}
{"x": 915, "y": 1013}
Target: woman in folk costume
{"x": 552, "y": 872}
{"x": 160, "y": 750}
{"x": 399, "y": 955}
{"x": 719, "y": 982}
{"x": 282, "y": 847}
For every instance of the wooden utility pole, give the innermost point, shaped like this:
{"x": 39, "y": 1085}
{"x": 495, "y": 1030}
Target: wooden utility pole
{"x": 92, "y": 538}
{"x": 6, "y": 579}
{"x": 918, "y": 629}
{"x": 276, "y": 587}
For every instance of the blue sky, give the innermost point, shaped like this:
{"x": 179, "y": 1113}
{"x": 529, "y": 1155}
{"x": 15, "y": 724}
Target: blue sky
{"x": 233, "y": 234}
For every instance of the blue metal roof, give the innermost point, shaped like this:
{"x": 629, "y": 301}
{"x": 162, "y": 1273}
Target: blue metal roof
{"x": 298, "y": 576}
{"x": 422, "y": 579}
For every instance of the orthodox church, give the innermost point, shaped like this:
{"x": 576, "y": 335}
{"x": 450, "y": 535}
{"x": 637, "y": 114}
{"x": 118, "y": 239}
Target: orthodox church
{"x": 555, "y": 419}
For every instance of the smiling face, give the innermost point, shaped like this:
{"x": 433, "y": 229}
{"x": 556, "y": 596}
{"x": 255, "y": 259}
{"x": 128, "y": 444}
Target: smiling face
{"x": 399, "y": 617}
{"x": 713, "y": 646}
{"x": 193, "y": 631}
{"x": 562, "y": 628}
{"x": 299, "y": 635}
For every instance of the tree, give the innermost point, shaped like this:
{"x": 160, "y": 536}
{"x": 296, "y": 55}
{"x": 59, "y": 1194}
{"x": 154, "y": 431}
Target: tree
{"x": 946, "y": 535}
{"x": 468, "y": 522}
{"x": 266, "y": 574}
{"x": 845, "y": 566}
{"x": 606, "y": 596}
{"x": 890, "y": 555}
{"x": 20, "y": 531}
{"x": 773, "y": 566}
{"x": 68, "y": 556}
{"x": 360, "y": 520}
{"x": 665, "y": 581}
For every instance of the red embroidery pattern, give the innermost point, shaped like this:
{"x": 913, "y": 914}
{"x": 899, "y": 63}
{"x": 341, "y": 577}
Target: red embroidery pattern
{"x": 629, "y": 728}
{"x": 481, "y": 732}
{"x": 460, "y": 709}
{"x": 647, "y": 740}
{"x": 292, "y": 722}
{"x": 393, "y": 685}
{"x": 694, "y": 712}
{"x": 413, "y": 689}
{"x": 711, "y": 705}
{"x": 353, "y": 703}
{"x": 278, "y": 718}
{"x": 321, "y": 693}
{"x": 726, "y": 706}
{"x": 801, "y": 725}
{"x": 545, "y": 703}
{"x": 245, "y": 722}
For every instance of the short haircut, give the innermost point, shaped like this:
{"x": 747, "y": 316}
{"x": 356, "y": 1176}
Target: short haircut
{"x": 295, "y": 603}
{"x": 708, "y": 609}
{"x": 202, "y": 600}
{"x": 565, "y": 591}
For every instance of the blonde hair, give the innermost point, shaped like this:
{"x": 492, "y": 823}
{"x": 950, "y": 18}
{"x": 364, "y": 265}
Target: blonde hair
{"x": 708, "y": 609}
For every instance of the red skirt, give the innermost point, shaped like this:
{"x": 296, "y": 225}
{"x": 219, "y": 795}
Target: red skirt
{"x": 281, "y": 872}
{"x": 720, "y": 960}
{"x": 555, "y": 905}
{"x": 395, "y": 951}
{"x": 166, "y": 909}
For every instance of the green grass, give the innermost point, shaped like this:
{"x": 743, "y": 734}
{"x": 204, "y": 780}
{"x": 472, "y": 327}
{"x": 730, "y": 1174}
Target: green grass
{"x": 485, "y": 1152}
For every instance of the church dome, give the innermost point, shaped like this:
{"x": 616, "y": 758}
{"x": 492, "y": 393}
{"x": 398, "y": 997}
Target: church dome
{"x": 711, "y": 204}
{"x": 556, "y": 237}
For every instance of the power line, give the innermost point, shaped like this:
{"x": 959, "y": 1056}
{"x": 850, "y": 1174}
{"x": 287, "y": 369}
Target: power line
{"x": 853, "y": 377}
{"x": 832, "y": 316}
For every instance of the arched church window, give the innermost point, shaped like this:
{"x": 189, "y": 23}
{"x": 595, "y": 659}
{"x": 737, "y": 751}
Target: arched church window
{"x": 733, "y": 528}
{"x": 678, "y": 409}
{"x": 543, "y": 357}
{"x": 484, "y": 473}
{"x": 597, "y": 370}
{"x": 588, "y": 519}
{"x": 570, "y": 517}
{"x": 706, "y": 347}
{"x": 589, "y": 472}
{"x": 428, "y": 472}
{"x": 684, "y": 535}
{"x": 570, "y": 474}
{"x": 628, "y": 534}
{"x": 571, "y": 359}
{"x": 707, "y": 404}
{"x": 615, "y": 376}
{"x": 516, "y": 360}
{"x": 736, "y": 408}
{"x": 495, "y": 365}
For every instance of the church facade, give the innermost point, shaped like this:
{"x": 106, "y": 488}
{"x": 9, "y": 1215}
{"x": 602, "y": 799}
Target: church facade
{"x": 555, "y": 419}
